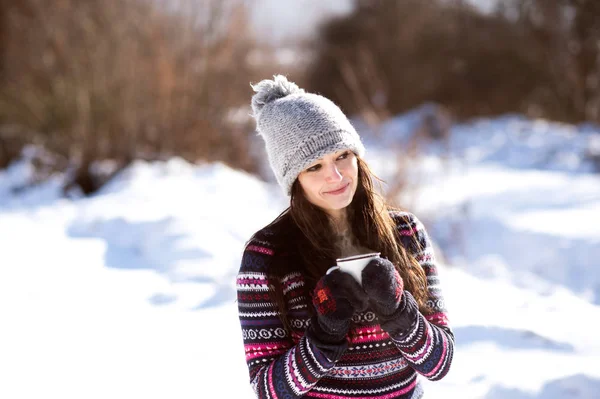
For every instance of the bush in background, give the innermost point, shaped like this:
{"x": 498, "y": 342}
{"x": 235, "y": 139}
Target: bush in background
{"x": 536, "y": 57}
{"x": 95, "y": 80}
{"x": 92, "y": 80}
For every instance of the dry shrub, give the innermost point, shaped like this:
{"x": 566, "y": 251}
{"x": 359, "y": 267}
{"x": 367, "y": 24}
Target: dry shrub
{"x": 120, "y": 80}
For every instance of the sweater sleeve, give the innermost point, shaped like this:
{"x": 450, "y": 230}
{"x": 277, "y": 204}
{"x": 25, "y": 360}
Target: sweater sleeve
{"x": 278, "y": 368}
{"x": 428, "y": 344}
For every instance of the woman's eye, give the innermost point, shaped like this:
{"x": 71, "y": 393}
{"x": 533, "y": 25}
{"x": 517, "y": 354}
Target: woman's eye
{"x": 313, "y": 168}
{"x": 344, "y": 155}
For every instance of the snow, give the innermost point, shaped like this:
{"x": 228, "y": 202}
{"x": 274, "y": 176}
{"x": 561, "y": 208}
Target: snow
{"x": 130, "y": 292}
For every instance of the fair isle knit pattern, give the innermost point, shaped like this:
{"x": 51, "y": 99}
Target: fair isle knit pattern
{"x": 374, "y": 365}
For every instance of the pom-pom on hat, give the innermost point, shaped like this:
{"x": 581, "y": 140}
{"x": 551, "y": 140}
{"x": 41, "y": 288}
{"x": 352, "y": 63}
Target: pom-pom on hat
{"x": 298, "y": 128}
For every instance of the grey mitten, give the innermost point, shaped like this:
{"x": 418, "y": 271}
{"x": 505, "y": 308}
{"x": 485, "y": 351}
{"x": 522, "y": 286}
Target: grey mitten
{"x": 398, "y": 311}
{"x": 383, "y": 285}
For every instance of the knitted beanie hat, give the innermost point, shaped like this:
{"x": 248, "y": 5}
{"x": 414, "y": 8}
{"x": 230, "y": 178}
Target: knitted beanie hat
{"x": 298, "y": 128}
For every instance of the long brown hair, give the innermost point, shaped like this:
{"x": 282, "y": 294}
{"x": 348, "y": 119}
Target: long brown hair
{"x": 372, "y": 227}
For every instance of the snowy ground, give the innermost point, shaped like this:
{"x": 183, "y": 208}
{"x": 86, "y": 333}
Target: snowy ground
{"x": 130, "y": 293}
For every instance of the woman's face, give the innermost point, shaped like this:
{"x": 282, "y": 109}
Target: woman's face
{"x": 330, "y": 182}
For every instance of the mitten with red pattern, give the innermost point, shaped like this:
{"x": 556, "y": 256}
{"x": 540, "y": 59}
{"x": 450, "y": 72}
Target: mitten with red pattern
{"x": 337, "y": 296}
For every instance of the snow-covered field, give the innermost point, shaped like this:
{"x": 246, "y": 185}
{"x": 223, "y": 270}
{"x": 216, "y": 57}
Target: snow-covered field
{"x": 130, "y": 293}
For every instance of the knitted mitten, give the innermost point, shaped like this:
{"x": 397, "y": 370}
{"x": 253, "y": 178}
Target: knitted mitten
{"x": 397, "y": 310}
{"x": 383, "y": 285}
{"x": 337, "y": 296}
{"x": 399, "y": 324}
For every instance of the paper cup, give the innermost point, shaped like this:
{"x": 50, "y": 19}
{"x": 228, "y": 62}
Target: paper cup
{"x": 354, "y": 265}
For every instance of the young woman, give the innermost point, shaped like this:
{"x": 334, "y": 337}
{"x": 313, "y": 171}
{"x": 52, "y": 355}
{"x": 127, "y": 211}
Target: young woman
{"x": 316, "y": 335}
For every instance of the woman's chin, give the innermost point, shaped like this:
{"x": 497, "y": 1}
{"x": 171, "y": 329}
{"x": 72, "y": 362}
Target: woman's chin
{"x": 338, "y": 204}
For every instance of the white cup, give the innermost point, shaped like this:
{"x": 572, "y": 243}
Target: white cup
{"x": 354, "y": 265}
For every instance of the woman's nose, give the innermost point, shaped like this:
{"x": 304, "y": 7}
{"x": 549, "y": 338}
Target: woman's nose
{"x": 333, "y": 174}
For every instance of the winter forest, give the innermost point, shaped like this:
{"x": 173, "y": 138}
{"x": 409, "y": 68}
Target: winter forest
{"x": 132, "y": 176}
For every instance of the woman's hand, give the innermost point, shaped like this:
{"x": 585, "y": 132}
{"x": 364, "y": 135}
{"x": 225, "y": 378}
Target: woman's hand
{"x": 337, "y": 296}
{"x": 384, "y": 286}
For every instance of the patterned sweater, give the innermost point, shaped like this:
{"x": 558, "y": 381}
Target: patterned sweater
{"x": 372, "y": 364}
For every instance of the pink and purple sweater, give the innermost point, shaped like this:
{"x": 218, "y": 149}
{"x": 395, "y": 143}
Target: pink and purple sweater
{"x": 372, "y": 364}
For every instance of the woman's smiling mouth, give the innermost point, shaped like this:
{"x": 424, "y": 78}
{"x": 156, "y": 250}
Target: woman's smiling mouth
{"x": 338, "y": 191}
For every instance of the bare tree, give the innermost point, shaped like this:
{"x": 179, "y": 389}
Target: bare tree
{"x": 535, "y": 57}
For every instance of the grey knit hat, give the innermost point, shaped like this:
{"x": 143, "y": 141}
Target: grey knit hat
{"x": 298, "y": 128}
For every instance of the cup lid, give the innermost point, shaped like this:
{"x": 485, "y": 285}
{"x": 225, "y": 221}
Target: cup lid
{"x": 360, "y": 256}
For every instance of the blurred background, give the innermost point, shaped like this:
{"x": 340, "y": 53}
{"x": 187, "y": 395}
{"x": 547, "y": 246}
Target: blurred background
{"x": 131, "y": 176}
